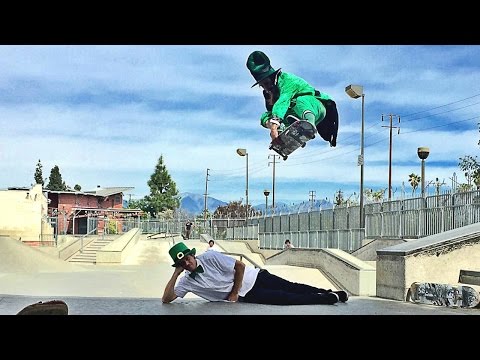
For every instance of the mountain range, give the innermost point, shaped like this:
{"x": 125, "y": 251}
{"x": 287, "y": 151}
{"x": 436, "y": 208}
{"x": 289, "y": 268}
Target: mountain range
{"x": 195, "y": 203}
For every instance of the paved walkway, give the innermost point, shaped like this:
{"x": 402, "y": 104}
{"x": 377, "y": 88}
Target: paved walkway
{"x": 10, "y": 305}
{"x": 135, "y": 288}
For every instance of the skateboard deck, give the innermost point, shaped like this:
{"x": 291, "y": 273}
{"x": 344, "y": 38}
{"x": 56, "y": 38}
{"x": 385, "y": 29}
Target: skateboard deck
{"x": 443, "y": 295}
{"x": 293, "y": 137}
{"x": 53, "y": 307}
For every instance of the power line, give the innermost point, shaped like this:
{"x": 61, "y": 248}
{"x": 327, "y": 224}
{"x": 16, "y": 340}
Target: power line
{"x": 444, "y": 112}
{"x": 437, "y": 107}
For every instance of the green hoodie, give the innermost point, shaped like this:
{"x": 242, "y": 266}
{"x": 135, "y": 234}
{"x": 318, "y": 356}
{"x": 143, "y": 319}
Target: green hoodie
{"x": 290, "y": 87}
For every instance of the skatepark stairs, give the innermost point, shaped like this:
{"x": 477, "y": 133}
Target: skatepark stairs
{"x": 106, "y": 250}
{"x": 88, "y": 255}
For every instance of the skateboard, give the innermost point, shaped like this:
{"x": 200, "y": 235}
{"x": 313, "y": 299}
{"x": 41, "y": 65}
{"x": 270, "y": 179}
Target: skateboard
{"x": 52, "y": 307}
{"x": 293, "y": 137}
{"x": 443, "y": 295}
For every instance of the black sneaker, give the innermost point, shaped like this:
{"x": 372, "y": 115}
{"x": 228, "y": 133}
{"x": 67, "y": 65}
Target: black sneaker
{"x": 342, "y": 295}
{"x": 332, "y": 298}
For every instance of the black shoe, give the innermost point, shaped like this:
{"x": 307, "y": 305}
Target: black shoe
{"x": 342, "y": 295}
{"x": 332, "y": 298}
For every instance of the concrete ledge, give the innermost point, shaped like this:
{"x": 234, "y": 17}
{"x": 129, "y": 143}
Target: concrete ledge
{"x": 117, "y": 250}
{"x": 350, "y": 273}
{"x": 436, "y": 258}
{"x": 368, "y": 252}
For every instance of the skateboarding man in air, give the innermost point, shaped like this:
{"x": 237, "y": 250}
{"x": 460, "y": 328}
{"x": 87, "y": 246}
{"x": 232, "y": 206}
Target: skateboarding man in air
{"x": 287, "y": 94}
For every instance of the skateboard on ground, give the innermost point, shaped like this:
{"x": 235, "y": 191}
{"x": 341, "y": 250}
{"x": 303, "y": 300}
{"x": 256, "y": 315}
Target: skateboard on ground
{"x": 293, "y": 137}
{"x": 443, "y": 295}
{"x": 53, "y": 307}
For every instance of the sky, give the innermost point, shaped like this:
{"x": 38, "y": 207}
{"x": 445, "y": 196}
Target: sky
{"x": 104, "y": 114}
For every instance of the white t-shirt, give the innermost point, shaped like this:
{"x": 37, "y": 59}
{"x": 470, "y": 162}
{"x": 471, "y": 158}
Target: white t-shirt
{"x": 216, "y": 282}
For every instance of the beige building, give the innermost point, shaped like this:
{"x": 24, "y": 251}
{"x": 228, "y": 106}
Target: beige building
{"x": 23, "y": 215}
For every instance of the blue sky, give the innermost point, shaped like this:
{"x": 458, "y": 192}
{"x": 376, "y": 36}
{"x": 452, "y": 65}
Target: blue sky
{"x": 105, "y": 114}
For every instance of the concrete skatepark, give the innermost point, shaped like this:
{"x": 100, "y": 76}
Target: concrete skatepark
{"x": 132, "y": 282}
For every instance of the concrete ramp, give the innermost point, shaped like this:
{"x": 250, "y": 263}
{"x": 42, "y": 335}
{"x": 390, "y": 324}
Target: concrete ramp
{"x": 144, "y": 273}
{"x": 16, "y": 257}
{"x": 339, "y": 267}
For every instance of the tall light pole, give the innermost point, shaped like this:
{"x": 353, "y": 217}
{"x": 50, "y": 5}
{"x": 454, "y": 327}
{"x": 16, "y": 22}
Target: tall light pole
{"x": 266, "y": 193}
{"x": 243, "y": 152}
{"x": 273, "y": 181}
{"x": 423, "y": 153}
{"x": 356, "y": 91}
{"x": 205, "y": 204}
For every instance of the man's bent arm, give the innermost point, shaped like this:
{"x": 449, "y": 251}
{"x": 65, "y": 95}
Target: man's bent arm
{"x": 169, "y": 294}
{"x": 237, "y": 280}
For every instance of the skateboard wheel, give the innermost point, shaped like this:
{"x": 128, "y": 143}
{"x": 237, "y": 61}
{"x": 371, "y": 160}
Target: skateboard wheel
{"x": 303, "y": 145}
{"x": 285, "y": 158}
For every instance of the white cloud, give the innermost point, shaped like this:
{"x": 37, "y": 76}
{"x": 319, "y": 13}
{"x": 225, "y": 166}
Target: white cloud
{"x": 104, "y": 115}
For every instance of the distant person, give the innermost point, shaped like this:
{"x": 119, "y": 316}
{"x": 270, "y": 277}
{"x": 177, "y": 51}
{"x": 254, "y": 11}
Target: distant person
{"x": 288, "y": 244}
{"x": 188, "y": 229}
{"x": 215, "y": 276}
{"x": 211, "y": 243}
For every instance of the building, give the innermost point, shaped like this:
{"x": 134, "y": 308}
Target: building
{"x": 37, "y": 216}
{"x": 89, "y": 212}
{"x": 23, "y": 214}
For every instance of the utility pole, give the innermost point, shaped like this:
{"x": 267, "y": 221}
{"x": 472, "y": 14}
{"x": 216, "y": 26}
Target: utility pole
{"x": 390, "y": 153}
{"x": 438, "y": 185}
{"x": 205, "y": 206}
{"x": 273, "y": 182}
{"x": 312, "y": 197}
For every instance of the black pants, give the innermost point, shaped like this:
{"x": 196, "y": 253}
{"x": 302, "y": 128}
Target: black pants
{"x": 274, "y": 290}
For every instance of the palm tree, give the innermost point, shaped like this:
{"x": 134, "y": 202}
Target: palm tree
{"x": 414, "y": 180}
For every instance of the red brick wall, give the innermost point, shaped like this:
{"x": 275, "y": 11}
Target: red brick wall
{"x": 64, "y": 202}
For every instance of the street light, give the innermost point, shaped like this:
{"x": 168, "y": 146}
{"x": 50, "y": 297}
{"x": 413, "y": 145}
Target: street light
{"x": 356, "y": 91}
{"x": 423, "y": 153}
{"x": 243, "y": 152}
{"x": 266, "y": 193}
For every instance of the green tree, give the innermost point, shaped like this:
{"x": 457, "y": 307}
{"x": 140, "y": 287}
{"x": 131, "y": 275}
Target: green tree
{"x": 375, "y": 196}
{"x": 233, "y": 210}
{"x": 139, "y": 204}
{"x": 38, "y": 174}
{"x": 163, "y": 191}
{"x": 414, "y": 180}
{"x": 55, "y": 182}
{"x": 339, "y": 199}
{"x": 470, "y": 167}
{"x": 77, "y": 187}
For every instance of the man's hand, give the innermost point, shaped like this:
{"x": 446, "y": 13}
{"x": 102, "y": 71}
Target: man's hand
{"x": 273, "y": 132}
{"x": 273, "y": 124}
{"x": 169, "y": 293}
{"x": 178, "y": 270}
{"x": 237, "y": 281}
{"x": 232, "y": 297}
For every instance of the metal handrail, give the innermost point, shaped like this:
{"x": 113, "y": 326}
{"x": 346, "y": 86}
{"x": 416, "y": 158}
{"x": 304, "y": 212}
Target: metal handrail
{"x": 81, "y": 239}
{"x": 243, "y": 256}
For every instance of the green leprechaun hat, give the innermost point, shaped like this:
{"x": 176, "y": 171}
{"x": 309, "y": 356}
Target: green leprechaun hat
{"x": 179, "y": 251}
{"x": 259, "y": 65}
